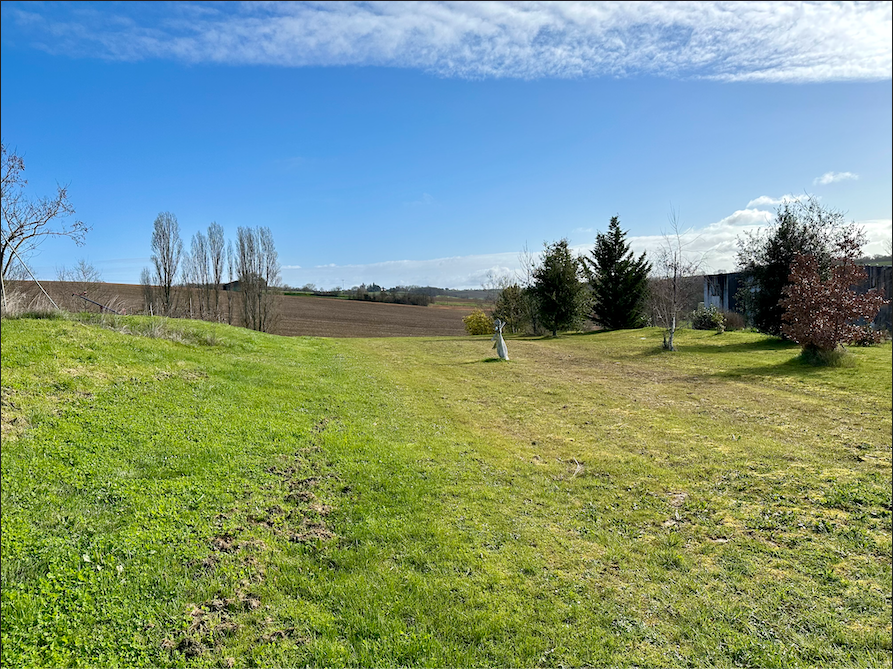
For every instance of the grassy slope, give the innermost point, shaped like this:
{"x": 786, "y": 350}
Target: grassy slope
{"x": 380, "y": 502}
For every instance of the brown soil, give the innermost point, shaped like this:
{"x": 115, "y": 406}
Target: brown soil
{"x": 299, "y": 316}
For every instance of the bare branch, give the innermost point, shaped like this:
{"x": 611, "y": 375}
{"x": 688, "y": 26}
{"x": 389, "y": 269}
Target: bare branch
{"x": 167, "y": 249}
{"x": 28, "y": 222}
{"x": 674, "y": 264}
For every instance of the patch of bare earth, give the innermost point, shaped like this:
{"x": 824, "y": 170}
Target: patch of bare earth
{"x": 298, "y": 316}
{"x": 299, "y": 516}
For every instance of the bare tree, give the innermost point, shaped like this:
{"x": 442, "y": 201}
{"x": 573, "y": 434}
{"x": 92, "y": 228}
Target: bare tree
{"x": 493, "y": 283}
{"x": 197, "y": 276}
{"x": 167, "y": 249}
{"x": 84, "y": 272}
{"x": 84, "y": 278}
{"x": 675, "y": 265}
{"x": 257, "y": 265}
{"x": 149, "y": 295}
{"x": 529, "y": 263}
{"x": 231, "y": 275}
{"x": 216, "y": 255}
{"x": 27, "y": 222}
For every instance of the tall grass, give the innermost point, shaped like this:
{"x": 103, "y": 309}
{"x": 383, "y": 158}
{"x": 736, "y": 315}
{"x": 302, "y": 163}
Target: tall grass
{"x": 18, "y": 305}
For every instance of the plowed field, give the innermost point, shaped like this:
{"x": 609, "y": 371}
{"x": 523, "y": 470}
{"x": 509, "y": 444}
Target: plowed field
{"x": 327, "y": 317}
{"x": 298, "y": 315}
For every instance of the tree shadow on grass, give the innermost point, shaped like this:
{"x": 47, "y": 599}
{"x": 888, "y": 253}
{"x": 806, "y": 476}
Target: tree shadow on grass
{"x": 767, "y": 344}
{"x": 791, "y": 368}
{"x": 762, "y": 345}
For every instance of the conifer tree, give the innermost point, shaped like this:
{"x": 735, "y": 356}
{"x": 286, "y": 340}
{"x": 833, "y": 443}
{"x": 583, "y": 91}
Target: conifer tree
{"x": 619, "y": 281}
{"x": 561, "y": 297}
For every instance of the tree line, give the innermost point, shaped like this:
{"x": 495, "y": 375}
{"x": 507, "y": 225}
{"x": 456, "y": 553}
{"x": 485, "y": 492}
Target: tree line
{"x": 799, "y": 282}
{"x": 609, "y": 286}
{"x": 190, "y": 282}
{"x": 799, "y": 274}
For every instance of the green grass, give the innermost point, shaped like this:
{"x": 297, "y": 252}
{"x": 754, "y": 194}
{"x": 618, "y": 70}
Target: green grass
{"x": 187, "y": 494}
{"x": 460, "y": 302}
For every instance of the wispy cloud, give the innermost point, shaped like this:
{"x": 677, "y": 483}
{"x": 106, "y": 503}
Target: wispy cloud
{"x": 728, "y": 41}
{"x": 833, "y": 177}
{"x": 423, "y": 201}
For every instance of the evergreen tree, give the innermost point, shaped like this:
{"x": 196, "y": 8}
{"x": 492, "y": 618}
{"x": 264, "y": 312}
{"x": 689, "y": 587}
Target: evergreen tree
{"x": 562, "y": 298}
{"x": 511, "y": 308}
{"x": 619, "y": 282}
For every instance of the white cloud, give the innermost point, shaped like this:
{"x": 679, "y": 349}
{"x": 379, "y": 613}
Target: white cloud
{"x": 878, "y": 232}
{"x": 455, "y": 272}
{"x": 768, "y": 201}
{"x": 833, "y": 177}
{"x": 728, "y": 41}
{"x": 715, "y": 243}
{"x": 425, "y": 200}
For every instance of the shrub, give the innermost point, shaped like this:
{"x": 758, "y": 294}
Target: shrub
{"x": 868, "y": 335}
{"x": 821, "y": 309}
{"x": 478, "y": 323}
{"x": 708, "y": 318}
{"x": 734, "y": 320}
{"x": 836, "y": 357}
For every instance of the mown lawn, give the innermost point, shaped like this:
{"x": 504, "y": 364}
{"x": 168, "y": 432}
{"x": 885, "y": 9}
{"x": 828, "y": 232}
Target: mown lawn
{"x": 207, "y": 496}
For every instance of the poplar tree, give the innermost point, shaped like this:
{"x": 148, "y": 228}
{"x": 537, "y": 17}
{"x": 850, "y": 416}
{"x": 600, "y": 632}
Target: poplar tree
{"x": 167, "y": 250}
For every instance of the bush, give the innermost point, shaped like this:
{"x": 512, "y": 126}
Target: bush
{"x": 836, "y": 357}
{"x": 478, "y": 323}
{"x": 733, "y": 320}
{"x": 822, "y": 310}
{"x": 708, "y": 318}
{"x": 868, "y": 335}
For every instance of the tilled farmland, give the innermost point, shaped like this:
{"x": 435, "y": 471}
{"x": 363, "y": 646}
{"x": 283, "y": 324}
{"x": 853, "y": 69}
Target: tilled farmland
{"x": 299, "y": 316}
{"x": 328, "y": 317}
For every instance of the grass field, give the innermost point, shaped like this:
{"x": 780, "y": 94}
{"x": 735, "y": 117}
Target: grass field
{"x": 187, "y": 494}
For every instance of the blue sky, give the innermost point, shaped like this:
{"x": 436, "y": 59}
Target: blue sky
{"x": 430, "y": 143}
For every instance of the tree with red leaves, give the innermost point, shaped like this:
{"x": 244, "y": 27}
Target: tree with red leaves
{"x": 821, "y": 307}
